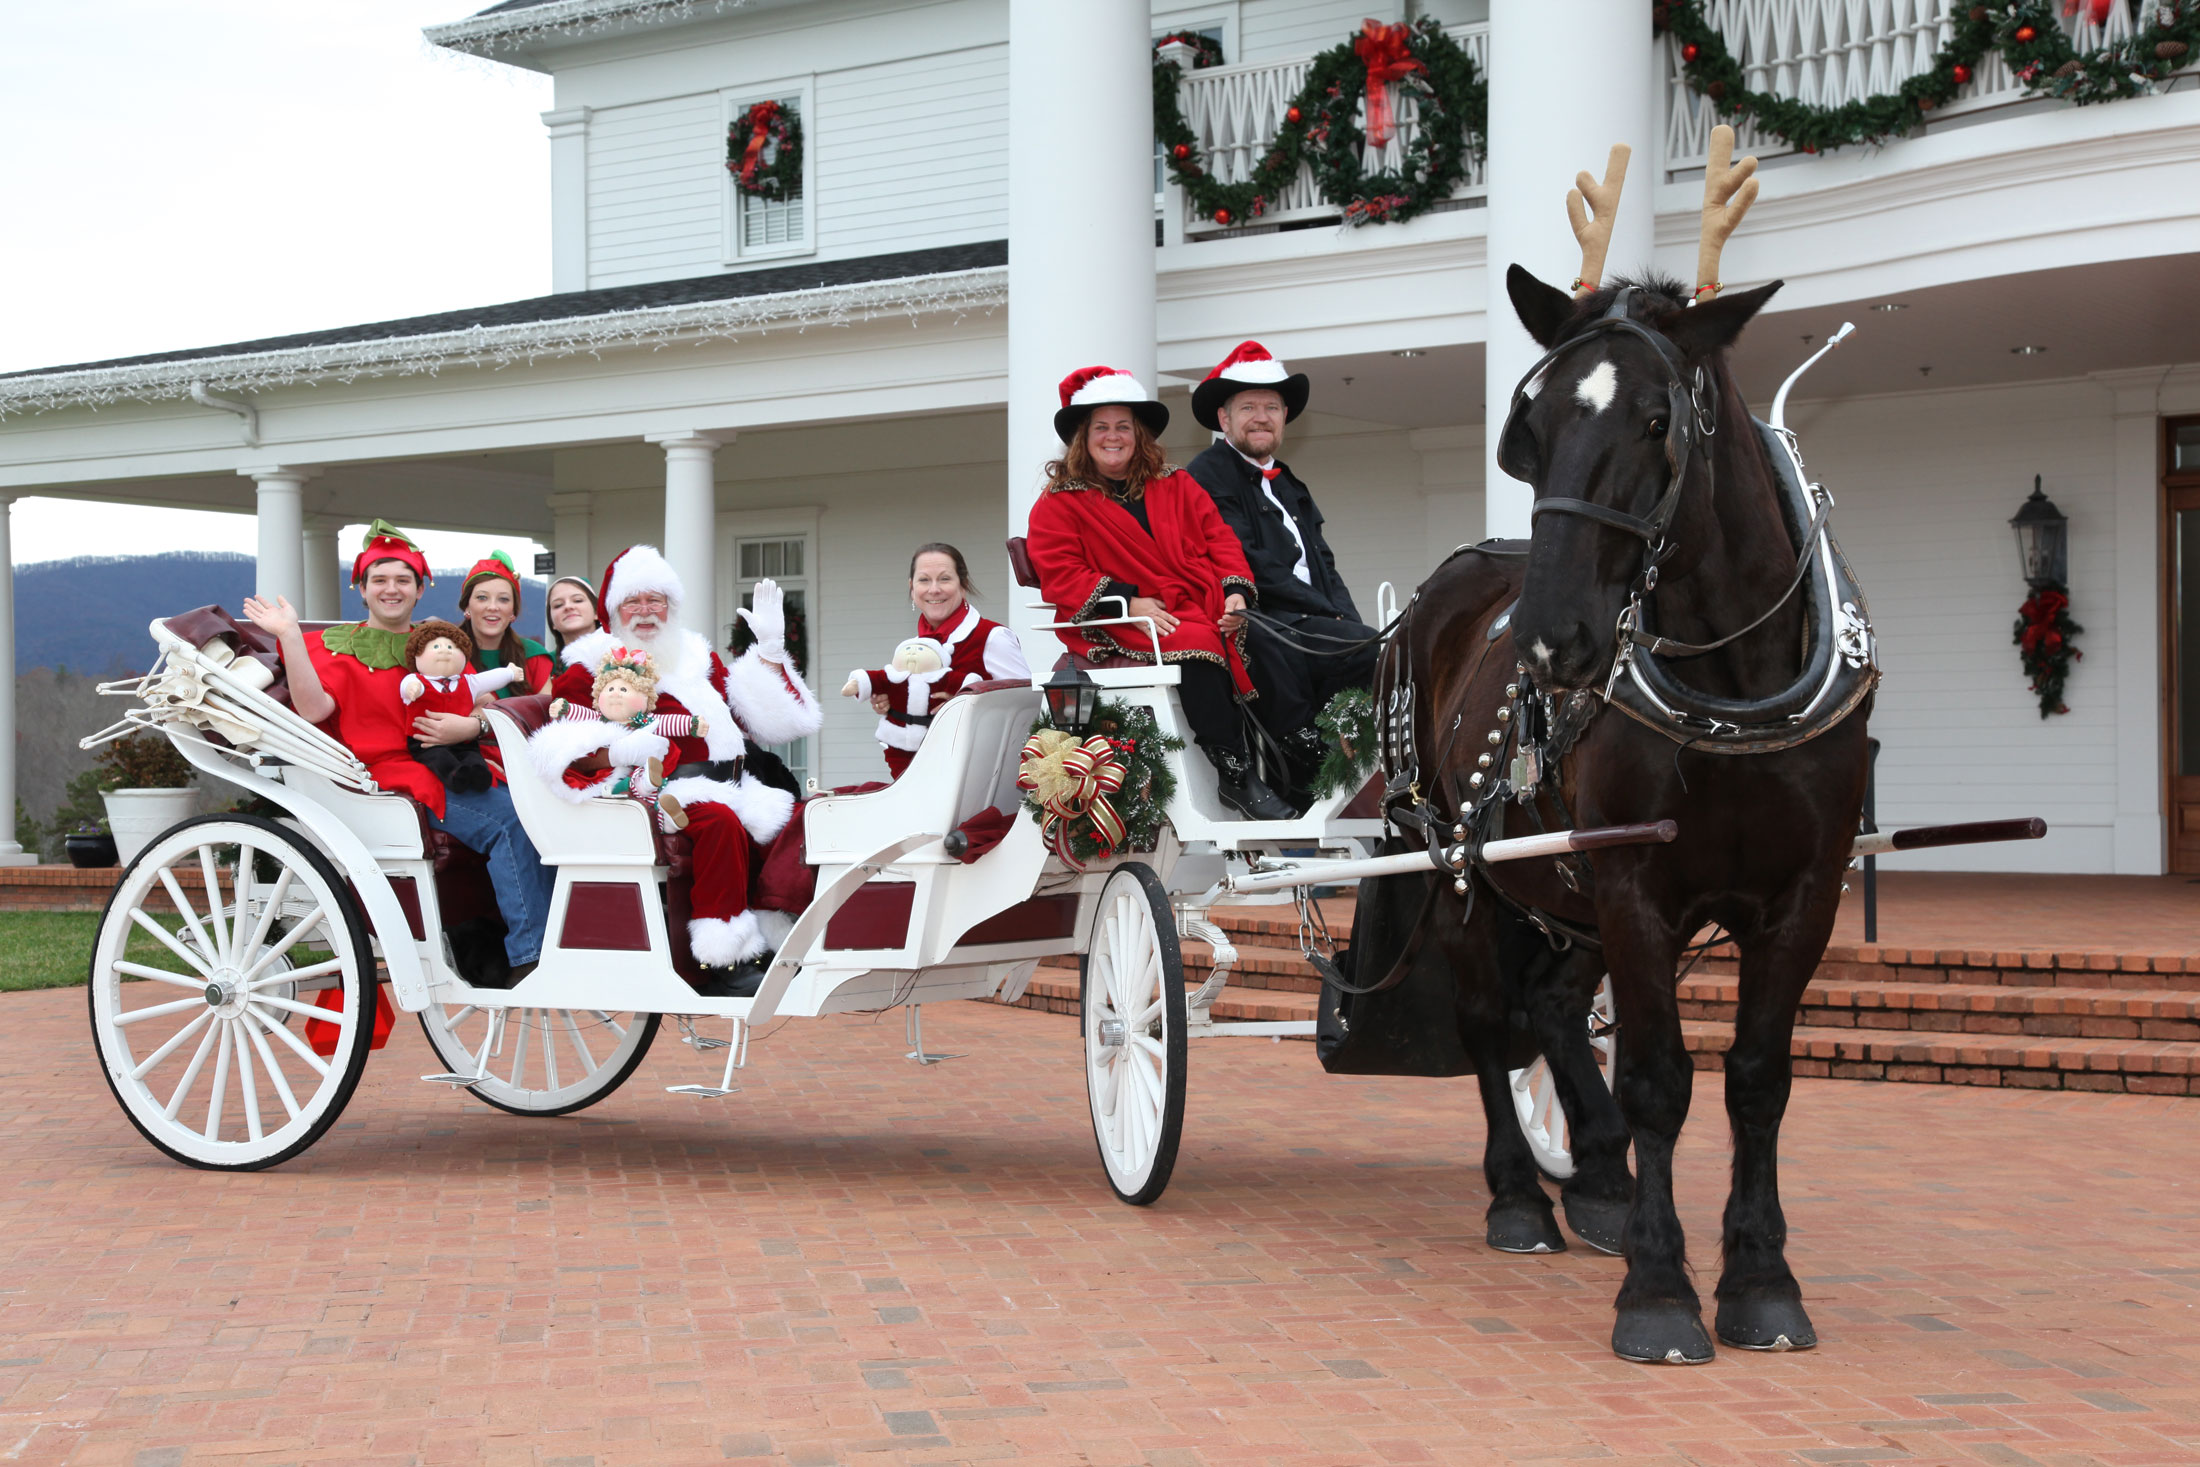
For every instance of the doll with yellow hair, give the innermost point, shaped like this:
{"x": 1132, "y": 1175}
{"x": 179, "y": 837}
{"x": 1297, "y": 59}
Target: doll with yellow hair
{"x": 636, "y": 745}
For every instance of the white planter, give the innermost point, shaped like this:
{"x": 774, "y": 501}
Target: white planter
{"x": 134, "y": 817}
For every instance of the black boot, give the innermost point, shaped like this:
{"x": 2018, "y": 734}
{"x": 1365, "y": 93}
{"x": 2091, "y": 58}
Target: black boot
{"x": 1305, "y": 748}
{"x": 739, "y": 981}
{"x": 1241, "y": 789}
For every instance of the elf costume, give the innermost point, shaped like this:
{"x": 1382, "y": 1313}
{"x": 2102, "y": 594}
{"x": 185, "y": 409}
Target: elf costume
{"x": 535, "y": 664}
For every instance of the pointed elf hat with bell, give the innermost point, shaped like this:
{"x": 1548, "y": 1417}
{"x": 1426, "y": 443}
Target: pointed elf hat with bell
{"x": 387, "y": 542}
{"x": 496, "y": 565}
{"x": 1248, "y": 365}
{"x": 1091, "y": 387}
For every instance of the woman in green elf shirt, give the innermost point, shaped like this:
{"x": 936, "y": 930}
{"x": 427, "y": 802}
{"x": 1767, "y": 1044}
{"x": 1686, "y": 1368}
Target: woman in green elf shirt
{"x": 488, "y": 604}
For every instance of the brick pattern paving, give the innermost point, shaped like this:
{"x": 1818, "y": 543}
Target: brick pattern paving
{"x": 858, "y": 1260}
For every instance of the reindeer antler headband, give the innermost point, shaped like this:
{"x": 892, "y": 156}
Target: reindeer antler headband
{"x": 1729, "y": 188}
{"x": 1592, "y": 207}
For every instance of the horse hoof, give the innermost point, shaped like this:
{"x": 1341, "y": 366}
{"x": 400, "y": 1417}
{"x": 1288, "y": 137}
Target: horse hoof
{"x": 1765, "y": 1322}
{"x": 1523, "y": 1227}
{"x": 1661, "y": 1334}
{"x": 1599, "y": 1224}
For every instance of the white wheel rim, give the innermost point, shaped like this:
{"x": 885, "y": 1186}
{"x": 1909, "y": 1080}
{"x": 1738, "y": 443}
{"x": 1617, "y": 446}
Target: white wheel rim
{"x": 1126, "y": 1034}
{"x": 213, "y": 1063}
{"x": 543, "y": 1059}
{"x": 1535, "y": 1091}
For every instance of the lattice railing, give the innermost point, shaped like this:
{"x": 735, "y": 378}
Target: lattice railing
{"x": 1236, "y": 111}
{"x": 1827, "y": 52}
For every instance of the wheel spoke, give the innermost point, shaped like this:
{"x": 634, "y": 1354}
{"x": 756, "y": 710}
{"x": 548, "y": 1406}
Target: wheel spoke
{"x": 190, "y": 1071}
{"x": 298, "y": 1046}
{"x": 221, "y": 1087}
{"x": 268, "y": 910}
{"x": 573, "y": 1029}
{"x": 160, "y": 933}
{"x": 145, "y": 1066}
{"x": 291, "y": 1005}
{"x": 1147, "y": 1018}
{"x": 290, "y": 940}
{"x": 211, "y": 875}
{"x": 267, "y": 1062}
{"x": 247, "y": 1085}
{"x": 519, "y": 1051}
{"x": 297, "y": 975}
{"x": 1153, "y": 1047}
{"x": 177, "y": 1007}
{"x": 162, "y": 975}
{"x": 452, "y": 1021}
{"x": 190, "y": 917}
{"x": 549, "y": 1051}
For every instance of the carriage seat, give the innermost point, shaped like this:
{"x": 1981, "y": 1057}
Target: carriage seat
{"x": 1019, "y": 560}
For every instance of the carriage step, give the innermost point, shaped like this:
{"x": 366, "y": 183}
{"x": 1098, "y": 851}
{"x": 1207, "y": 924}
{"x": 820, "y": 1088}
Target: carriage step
{"x": 462, "y": 1082}
{"x": 2138, "y": 1066}
{"x": 708, "y": 1092}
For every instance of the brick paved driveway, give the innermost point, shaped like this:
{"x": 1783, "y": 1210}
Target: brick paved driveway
{"x": 858, "y": 1260}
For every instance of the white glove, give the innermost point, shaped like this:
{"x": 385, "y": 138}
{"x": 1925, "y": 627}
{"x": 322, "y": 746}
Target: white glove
{"x": 767, "y": 620}
{"x": 637, "y": 746}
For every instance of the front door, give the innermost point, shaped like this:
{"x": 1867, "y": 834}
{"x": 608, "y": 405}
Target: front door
{"x": 2181, "y": 691}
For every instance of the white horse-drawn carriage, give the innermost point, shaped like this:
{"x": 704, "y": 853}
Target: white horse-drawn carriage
{"x": 235, "y": 986}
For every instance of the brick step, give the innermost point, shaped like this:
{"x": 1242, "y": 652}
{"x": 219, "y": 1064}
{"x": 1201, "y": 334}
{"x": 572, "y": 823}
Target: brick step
{"x": 1970, "y": 1008}
{"x": 2140, "y": 1066}
{"x": 2155, "y": 972}
{"x": 1055, "y": 991}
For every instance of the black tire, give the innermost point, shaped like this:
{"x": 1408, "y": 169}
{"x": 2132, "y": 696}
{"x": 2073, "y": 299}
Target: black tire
{"x": 627, "y": 1057}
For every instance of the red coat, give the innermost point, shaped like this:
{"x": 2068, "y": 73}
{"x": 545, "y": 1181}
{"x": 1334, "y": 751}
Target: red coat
{"x": 370, "y": 720}
{"x": 1085, "y": 546}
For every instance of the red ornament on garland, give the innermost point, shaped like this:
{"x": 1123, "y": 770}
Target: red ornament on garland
{"x": 1222, "y": 216}
{"x": 1690, "y": 50}
{"x": 2025, "y": 35}
{"x": 1181, "y": 151}
{"x": 1291, "y": 114}
{"x": 1962, "y": 74}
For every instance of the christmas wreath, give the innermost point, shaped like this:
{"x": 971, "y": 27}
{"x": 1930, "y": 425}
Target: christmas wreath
{"x": 2027, "y": 33}
{"x": 1104, "y": 793}
{"x": 1349, "y": 721}
{"x": 1319, "y": 129}
{"x": 764, "y": 152}
{"x": 2045, "y": 640}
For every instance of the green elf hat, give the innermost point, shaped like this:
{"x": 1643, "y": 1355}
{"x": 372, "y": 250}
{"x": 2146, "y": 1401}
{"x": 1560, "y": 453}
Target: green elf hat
{"x": 496, "y": 564}
{"x": 387, "y": 542}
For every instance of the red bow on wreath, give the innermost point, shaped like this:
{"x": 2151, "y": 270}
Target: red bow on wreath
{"x": 2040, "y": 612}
{"x": 1385, "y": 50}
{"x": 759, "y": 120}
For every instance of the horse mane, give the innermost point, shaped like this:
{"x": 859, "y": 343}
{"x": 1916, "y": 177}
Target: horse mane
{"x": 1656, "y": 294}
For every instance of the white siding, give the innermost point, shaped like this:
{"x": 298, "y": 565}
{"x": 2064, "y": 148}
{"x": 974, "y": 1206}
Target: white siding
{"x": 1276, "y": 30}
{"x": 656, "y": 173}
{"x": 913, "y": 154}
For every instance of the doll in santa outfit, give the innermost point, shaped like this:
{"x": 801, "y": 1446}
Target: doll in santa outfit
{"x": 436, "y": 653}
{"x": 916, "y": 668}
{"x": 637, "y": 744}
{"x": 758, "y": 695}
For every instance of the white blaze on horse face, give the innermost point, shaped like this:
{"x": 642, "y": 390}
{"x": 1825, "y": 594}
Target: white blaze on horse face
{"x": 1541, "y": 654}
{"x": 1595, "y": 391}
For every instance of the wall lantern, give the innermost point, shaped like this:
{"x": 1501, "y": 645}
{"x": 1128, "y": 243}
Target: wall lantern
{"x": 2043, "y": 540}
{"x": 1071, "y": 699}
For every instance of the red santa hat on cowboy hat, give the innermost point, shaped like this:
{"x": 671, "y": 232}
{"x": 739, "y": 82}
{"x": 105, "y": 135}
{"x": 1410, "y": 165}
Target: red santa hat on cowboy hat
{"x": 633, "y": 571}
{"x": 1091, "y": 387}
{"x": 387, "y": 542}
{"x": 1248, "y": 365}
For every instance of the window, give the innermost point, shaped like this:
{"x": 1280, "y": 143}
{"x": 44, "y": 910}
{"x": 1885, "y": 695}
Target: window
{"x": 787, "y": 559}
{"x": 759, "y": 228}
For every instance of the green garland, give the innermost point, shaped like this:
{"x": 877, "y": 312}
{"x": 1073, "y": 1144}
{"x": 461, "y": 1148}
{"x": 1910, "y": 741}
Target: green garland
{"x": 1319, "y": 129}
{"x": 2027, "y": 33}
{"x": 1148, "y": 786}
{"x": 1206, "y": 51}
{"x": 778, "y": 172}
{"x": 1349, "y": 721}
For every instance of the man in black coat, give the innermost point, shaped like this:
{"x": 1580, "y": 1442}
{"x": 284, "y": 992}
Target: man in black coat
{"x": 1248, "y": 399}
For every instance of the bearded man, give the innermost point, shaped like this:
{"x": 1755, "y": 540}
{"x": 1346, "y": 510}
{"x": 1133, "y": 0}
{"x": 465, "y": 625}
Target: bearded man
{"x": 1248, "y": 398}
{"x": 759, "y": 695}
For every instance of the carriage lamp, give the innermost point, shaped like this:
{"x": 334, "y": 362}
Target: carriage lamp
{"x": 2043, "y": 540}
{"x": 1071, "y": 699}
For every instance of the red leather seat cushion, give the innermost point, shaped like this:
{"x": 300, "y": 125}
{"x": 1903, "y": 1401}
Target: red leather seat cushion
{"x": 1019, "y": 560}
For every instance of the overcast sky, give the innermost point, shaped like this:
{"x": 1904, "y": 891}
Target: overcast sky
{"x": 178, "y": 173}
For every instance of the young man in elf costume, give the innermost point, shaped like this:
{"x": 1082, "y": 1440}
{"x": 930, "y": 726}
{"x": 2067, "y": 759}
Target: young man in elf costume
{"x": 346, "y": 678}
{"x": 759, "y": 695}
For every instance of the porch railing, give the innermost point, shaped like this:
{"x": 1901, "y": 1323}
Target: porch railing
{"x": 1827, "y": 52}
{"x": 1236, "y": 111}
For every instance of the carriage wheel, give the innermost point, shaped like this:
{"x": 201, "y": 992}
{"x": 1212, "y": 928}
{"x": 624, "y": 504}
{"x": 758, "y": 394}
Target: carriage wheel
{"x": 199, "y": 1026}
{"x": 539, "y": 1062}
{"x": 1535, "y": 1093}
{"x": 1134, "y": 1033}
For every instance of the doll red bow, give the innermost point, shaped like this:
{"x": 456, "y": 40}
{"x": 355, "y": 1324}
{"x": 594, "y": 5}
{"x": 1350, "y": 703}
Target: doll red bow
{"x": 1384, "y": 49}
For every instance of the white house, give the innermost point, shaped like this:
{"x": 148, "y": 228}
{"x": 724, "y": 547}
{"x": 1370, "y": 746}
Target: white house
{"x": 814, "y": 387}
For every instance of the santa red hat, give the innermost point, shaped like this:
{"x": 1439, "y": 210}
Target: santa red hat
{"x": 634, "y": 570}
{"x": 1091, "y": 387}
{"x": 387, "y": 542}
{"x": 1248, "y": 365}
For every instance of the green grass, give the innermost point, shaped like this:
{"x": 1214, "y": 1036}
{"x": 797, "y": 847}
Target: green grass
{"x": 54, "y": 949}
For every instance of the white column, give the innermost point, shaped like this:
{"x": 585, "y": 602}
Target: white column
{"x": 568, "y": 198}
{"x": 282, "y": 524}
{"x": 11, "y": 853}
{"x": 691, "y": 524}
{"x": 1538, "y": 141}
{"x": 571, "y": 512}
{"x": 1080, "y": 226}
{"x": 324, "y": 577}
{"x": 2134, "y": 590}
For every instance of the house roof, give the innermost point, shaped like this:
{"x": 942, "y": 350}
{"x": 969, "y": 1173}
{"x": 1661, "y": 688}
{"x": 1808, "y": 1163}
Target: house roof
{"x": 952, "y": 278}
{"x": 514, "y": 23}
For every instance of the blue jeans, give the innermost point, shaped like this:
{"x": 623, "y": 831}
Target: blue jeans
{"x": 486, "y": 822}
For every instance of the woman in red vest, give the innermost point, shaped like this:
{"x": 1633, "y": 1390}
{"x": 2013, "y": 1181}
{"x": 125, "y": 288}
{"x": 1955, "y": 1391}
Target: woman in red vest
{"x": 978, "y": 649}
{"x": 1117, "y": 520}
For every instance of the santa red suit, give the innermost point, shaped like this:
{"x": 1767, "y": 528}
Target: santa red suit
{"x": 975, "y": 649}
{"x": 759, "y": 695}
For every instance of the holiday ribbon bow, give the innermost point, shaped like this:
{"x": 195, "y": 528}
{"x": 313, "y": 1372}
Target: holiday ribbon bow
{"x": 1072, "y": 781}
{"x": 2040, "y": 614}
{"x": 1384, "y": 49}
{"x": 760, "y": 120}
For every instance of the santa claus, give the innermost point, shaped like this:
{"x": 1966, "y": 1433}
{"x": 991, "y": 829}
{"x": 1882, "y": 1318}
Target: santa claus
{"x": 759, "y": 695}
